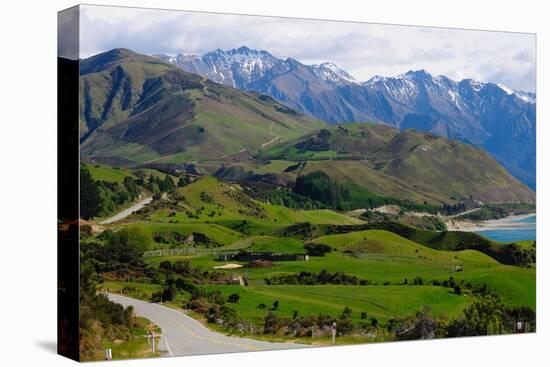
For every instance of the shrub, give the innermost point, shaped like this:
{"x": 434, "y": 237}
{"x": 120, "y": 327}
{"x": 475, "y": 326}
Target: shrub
{"x": 273, "y": 323}
{"x": 168, "y": 294}
{"x": 317, "y": 249}
{"x": 422, "y": 325}
{"x": 135, "y": 236}
{"x": 233, "y": 298}
{"x": 457, "y": 289}
{"x": 374, "y": 322}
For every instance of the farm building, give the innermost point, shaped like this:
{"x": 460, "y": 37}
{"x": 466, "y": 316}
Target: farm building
{"x": 270, "y": 256}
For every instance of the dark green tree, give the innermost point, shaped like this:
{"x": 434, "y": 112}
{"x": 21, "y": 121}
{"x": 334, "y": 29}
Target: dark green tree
{"x": 345, "y": 322}
{"x": 90, "y": 200}
{"x": 168, "y": 184}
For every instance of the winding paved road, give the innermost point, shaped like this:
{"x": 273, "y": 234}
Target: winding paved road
{"x": 126, "y": 212}
{"x": 184, "y": 336}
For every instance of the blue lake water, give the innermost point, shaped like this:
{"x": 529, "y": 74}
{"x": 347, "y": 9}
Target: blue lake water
{"x": 531, "y": 219}
{"x": 526, "y": 231}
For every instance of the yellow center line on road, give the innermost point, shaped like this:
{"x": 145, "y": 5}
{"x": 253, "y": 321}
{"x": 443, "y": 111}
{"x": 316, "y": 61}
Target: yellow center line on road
{"x": 171, "y": 317}
{"x": 246, "y": 346}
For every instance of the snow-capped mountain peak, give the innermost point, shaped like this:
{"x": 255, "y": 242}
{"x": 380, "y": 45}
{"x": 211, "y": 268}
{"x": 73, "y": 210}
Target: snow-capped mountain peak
{"x": 328, "y": 71}
{"x": 244, "y": 68}
{"x": 240, "y": 66}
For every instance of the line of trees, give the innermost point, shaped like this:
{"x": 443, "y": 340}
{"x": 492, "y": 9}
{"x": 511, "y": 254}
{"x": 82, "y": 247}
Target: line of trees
{"x": 321, "y": 187}
{"x": 323, "y": 277}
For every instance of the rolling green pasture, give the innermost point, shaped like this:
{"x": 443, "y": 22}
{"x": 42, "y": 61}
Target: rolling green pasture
{"x": 375, "y": 255}
{"x": 381, "y": 302}
{"x": 216, "y": 232}
{"x": 515, "y": 285}
{"x": 383, "y": 258}
{"x": 109, "y": 174}
{"x": 210, "y": 200}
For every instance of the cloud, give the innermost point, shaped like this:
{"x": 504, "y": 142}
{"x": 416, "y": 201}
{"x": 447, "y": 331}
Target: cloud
{"x": 363, "y": 49}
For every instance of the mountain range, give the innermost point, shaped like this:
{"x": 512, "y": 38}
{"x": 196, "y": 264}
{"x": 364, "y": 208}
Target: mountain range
{"x": 136, "y": 110}
{"x": 493, "y": 116}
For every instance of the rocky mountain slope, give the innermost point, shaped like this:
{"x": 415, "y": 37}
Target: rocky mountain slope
{"x": 137, "y": 109}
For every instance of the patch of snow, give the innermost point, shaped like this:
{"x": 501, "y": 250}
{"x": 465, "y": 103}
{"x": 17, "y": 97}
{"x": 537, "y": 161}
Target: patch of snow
{"x": 476, "y": 85}
{"x": 375, "y": 79}
{"x": 505, "y": 88}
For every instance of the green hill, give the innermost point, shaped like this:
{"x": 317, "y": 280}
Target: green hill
{"x": 371, "y": 242}
{"x": 210, "y": 200}
{"x": 402, "y": 164}
{"x": 137, "y": 109}
{"x": 505, "y": 253}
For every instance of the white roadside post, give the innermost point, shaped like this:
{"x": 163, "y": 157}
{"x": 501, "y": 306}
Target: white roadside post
{"x": 333, "y": 332}
{"x": 153, "y": 342}
{"x": 108, "y": 354}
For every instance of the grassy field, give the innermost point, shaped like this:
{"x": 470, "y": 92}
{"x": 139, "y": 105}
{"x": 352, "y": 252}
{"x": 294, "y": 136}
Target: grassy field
{"x": 381, "y": 302}
{"x": 374, "y": 255}
{"x": 109, "y": 174}
{"x": 209, "y": 200}
{"x": 515, "y": 285}
{"x": 211, "y": 195}
{"x": 216, "y": 232}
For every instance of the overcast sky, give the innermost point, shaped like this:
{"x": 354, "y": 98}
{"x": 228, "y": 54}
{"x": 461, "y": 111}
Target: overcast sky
{"x": 364, "y": 50}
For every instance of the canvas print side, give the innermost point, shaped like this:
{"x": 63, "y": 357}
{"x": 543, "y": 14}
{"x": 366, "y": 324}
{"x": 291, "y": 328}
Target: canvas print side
{"x": 68, "y": 148}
